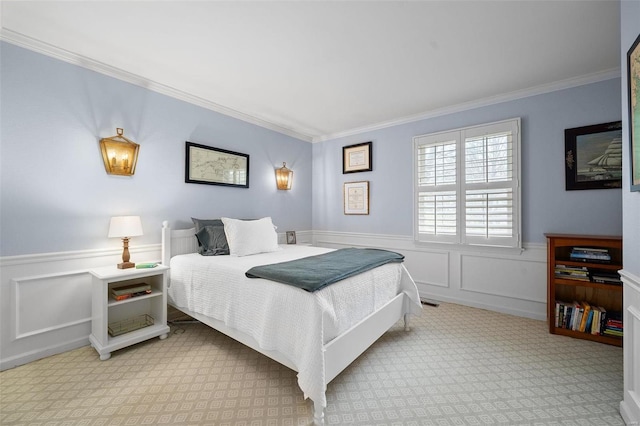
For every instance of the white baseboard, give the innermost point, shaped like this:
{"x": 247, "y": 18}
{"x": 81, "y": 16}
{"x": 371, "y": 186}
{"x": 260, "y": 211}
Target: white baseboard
{"x": 40, "y": 353}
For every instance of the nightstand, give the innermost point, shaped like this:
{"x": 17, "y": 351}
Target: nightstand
{"x": 116, "y": 324}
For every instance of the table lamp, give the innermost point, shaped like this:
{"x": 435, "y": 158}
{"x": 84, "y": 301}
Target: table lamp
{"x": 125, "y": 227}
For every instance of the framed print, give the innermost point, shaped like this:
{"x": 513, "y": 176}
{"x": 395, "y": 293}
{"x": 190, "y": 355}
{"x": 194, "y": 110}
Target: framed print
{"x": 291, "y": 237}
{"x": 356, "y": 197}
{"x": 633, "y": 75}
{"x": 357, "y": 158}
{"x": 214, "y": 166}
{"x": 593, "y": 156}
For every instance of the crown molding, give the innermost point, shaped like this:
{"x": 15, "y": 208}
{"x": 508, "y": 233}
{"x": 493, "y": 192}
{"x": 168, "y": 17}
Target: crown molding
{"x": 102, "y": 68}
{"x": 50, "y": 50}
{"x": 511, "y": 96}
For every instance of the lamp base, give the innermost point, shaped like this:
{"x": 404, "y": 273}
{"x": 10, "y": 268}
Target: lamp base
{"x": 126, "y": 265}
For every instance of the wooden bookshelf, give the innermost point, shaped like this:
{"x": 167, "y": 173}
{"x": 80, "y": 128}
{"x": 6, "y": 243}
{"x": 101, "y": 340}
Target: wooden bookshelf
{"x": 567, "y": 289}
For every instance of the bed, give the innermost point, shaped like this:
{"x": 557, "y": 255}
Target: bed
{"x": 318, "y": 334}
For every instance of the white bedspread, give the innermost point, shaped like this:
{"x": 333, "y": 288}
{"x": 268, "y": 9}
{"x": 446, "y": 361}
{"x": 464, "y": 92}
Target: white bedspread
{"x": 280, "y": 317}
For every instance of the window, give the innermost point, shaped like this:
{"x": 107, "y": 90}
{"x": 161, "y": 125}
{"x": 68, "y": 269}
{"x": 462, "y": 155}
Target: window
{"x": 467, "y": 187}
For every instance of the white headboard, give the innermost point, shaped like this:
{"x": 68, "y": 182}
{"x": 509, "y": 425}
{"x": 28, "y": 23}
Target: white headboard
{"x": 180, "y": 241}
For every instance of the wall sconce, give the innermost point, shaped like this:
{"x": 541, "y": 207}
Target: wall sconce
{"x": 125, "y": 227}
{"x": 284, "y": 177}
{"x": 119, "y": 154}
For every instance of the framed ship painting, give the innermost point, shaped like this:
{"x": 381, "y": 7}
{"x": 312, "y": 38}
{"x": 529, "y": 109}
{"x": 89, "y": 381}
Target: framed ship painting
{"x": 593, "y": 156}
{"x": 633, "y": 73}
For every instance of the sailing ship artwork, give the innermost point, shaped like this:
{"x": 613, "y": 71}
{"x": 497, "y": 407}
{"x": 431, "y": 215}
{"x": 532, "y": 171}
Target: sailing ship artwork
{"x": 593, "y": 156}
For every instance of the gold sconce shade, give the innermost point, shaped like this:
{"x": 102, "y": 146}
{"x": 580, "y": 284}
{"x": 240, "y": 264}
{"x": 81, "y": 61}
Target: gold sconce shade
{"x": 119, "y": 154}
{"x": 284, "y": 177}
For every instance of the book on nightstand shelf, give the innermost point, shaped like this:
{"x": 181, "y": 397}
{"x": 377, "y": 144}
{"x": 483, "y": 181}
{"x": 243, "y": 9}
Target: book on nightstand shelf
{"x": 130, "y": 290}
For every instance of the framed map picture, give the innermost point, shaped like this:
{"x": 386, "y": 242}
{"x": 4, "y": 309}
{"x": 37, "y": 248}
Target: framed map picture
{"x": 633, "y": 73}
{"x": 214, "y": 166}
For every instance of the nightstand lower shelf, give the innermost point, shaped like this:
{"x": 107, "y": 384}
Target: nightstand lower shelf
{"x": 139, "y": 316}
{"x": 127, "y": 339}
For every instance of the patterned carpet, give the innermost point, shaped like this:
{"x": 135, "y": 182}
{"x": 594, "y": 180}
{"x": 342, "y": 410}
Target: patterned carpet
{"x": 457, "y": 366}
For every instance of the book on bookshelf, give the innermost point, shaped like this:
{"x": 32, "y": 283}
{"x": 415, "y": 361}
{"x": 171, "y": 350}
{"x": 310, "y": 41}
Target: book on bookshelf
{"x": 606, "y": 278}
{"x": 590, "y": 254}
{"x": 586, "y": 318}
{"x": 613, "y": 325}
{"x": 586, "y": 308}
{"x": 572, "y": 272}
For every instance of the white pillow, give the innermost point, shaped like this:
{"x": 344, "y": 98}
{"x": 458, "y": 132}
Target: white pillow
{"x": 246, "y": 237}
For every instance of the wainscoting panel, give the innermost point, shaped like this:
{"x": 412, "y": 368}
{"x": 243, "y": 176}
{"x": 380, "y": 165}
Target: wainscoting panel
{"x": 630, "y": 405}
{"x": 428, "y": 268}
{"x": 36, "y": 314}
{"x": 45, "y": 298}
{"x": 503, "y": 277}
{"x": 45, "y": 301}
{"x": 503, "y": 280}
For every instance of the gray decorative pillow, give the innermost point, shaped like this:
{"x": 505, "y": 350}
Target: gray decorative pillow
{"x": 212, "y": 240}
{"x": 201, "y": 223}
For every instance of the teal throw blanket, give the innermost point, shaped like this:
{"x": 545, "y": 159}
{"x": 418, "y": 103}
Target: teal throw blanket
{"x": 315, "y": 272}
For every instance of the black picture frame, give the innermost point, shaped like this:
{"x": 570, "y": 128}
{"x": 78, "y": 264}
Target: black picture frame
{"x": 357, "y": 158}
{"x": 593, "y": 156}
{"x": 214, "y": 166}
{"x": 633, "y": 85}
{"x": 291, "y": 237}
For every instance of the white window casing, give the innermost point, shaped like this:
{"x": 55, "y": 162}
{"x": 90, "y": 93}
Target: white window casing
{"x": 467, "y": 185}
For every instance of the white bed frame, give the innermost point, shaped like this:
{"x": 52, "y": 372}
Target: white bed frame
{"x": 338, "y": 353}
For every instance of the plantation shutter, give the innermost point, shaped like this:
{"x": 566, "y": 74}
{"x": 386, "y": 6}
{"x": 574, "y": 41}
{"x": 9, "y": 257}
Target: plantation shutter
{"x": 467, "y": 185}
{"x": 437, "y": 181}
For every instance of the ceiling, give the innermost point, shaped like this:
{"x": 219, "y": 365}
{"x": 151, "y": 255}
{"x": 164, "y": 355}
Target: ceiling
{"x": 318, "y": 69}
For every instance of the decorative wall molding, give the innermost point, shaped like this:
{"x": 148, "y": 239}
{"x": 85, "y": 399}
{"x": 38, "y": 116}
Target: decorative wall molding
{"x": 45, "y": 298}
{"x": 30, "y": 313}
{"x": 111, "y": 71}
{"x": 630, "y": 405}
{"x": 62, "y": 256}
{"x": 512, "y": 96}
{"x": 47, "y": 49}
{"x": 506, "y": 280}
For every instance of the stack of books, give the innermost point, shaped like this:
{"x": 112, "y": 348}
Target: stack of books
{"x": 580, "y": 273}
{"x": 587, "y": 318}
{"x": 130, "y": 290}
{"x": 606, "y": 278}
{"x": 589, "y": 254}
{"x": 613, "y": 325}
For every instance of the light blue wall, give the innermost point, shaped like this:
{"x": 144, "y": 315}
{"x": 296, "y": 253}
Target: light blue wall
{"x": 547, "y": 206}
{"x": 56, "y": 196}
{"x": 630, "y": 29}
{"x": 55, "y": 193}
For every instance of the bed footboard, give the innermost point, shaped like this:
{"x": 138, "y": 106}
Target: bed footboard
{"x": 344, "y": 349}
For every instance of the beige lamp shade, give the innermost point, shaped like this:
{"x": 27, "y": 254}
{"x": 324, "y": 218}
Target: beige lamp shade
{"x": 125, "y": 226}
{"x": 284, "y": 177}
